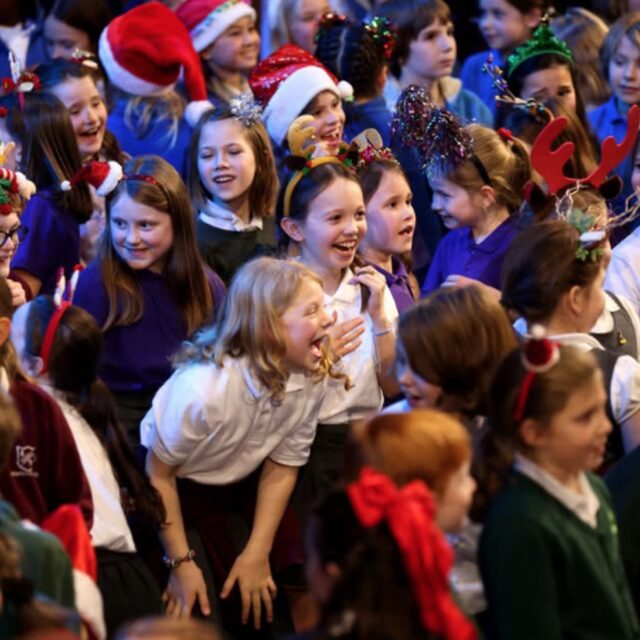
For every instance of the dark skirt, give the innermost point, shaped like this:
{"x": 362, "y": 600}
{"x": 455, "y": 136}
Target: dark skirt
{"x": 128, "y": 589}
{"x": 131, "y": 408}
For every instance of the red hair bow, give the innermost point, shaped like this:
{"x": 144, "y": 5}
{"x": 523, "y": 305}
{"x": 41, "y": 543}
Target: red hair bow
{"x": 428, "y": 558}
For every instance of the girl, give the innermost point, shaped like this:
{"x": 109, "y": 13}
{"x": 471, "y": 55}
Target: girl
{"x": 364, "y": 565}
{"x": 296, "y": 22}
{"x": 147, "y": 288}
{"x": 63, "y": 345}
{"x": 291, "y": 82}
{"x": 549, "y": 551}
{"x": 227, "y": 39}
{"x": 390, "y": 217}
{"x": 478, "y": 199}
{"x": 564, "y": 294}
{"x": 620, "y": 61}
{"x": 505, "y": 25}
{"x": 324, "y": 218}
{"x": 144, "y": 52}
{"x": 425, "y": 54}
{"x": 229, "y": 430}
{"x": 49, "y": 155}
{"x": 72, "y": 24}
{"x": 233, "y": 185}
{"x": 359, "y": 54}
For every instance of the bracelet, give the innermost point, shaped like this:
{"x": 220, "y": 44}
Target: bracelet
{"x": 382, "y": 332}
{"x": 174, "y": 563}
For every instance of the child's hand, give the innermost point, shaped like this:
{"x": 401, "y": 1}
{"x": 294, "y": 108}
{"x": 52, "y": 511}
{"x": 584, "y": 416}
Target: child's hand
{"x": 18, "y": 295}
{"x": 376, "y": 283}
{"x": 344, "y": 337}
{"x": 462, "y": 281}
{"x": 185, "y": 585}
{"x": 253, "y": 574}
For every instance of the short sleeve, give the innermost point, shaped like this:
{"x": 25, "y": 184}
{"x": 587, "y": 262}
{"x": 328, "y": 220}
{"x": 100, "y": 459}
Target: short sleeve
{"x": 91, "y": 294}
{"x": 622, "y": 279}
{"x": 624, "y": 394}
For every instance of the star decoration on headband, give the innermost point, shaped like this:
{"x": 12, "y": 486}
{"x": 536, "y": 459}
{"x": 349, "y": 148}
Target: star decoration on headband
{"x": 245, "y": 109}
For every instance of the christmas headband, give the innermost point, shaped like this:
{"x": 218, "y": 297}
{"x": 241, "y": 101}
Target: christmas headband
{"x": 13, "y": 183}
{"x": 379, "y": 28}
{"x": 370, "y": 148}
{"x": 539, "y": 354}
{"x": 85, "y": 58}
{"x": 542, "y": 42}
{"x": 409, "y": 512}
{"x": 245, "y": 109}
{"x": 303, "y": 156}
{"x": 62, "y": 300}
{"x": 21, "y": 81}
{"x": 441, "y": 140}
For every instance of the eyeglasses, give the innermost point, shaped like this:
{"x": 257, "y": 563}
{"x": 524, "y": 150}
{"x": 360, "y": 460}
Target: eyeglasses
{"x": 17, "y": 235}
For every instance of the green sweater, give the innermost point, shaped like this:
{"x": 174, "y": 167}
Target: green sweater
{"x": 547, "y": 574}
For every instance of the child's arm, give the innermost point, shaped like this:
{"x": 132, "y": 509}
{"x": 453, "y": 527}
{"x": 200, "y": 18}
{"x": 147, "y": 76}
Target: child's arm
{"x": 185, "y": 581}
{"x": 251, "y": 569}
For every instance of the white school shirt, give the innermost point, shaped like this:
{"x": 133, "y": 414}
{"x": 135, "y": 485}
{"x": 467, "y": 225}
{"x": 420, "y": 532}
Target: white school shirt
{"x": 623, "y": 272}
{"x": 218, "y": 424}
{"x": 365, "y": 396}
{"x": 222, "y": 218}
{"x": 605, "y": 322}
{"x": 624, "y": 391}
{"x": 110, "y": 529}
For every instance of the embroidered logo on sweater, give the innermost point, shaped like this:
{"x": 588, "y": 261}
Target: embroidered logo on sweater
{"x": 25, "y": 461}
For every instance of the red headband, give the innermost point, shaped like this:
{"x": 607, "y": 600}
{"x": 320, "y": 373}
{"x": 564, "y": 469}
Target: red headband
{"x": 428, "y": 558}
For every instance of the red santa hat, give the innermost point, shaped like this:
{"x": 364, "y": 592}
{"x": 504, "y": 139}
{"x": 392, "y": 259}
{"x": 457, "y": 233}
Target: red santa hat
{"x": 208, "y": 19}
{"x": 103, "y": 176}
{"x": 145, "y": 50}
{"x": 286, "y": 81}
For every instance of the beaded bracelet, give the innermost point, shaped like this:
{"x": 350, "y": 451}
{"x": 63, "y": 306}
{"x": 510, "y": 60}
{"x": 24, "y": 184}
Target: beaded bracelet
{"x": 174, "y": 563}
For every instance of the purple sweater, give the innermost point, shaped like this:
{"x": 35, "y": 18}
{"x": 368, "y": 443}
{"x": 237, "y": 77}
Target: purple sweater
{"x": 136, "y": 358}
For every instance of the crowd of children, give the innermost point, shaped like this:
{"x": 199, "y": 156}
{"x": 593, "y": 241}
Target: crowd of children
{"x": 310, "y": 328}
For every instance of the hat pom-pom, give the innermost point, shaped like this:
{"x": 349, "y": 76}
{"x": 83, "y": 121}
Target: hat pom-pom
{"x": 345, "y": 89}
{"x": 195, "y": 110}
{"x": 111, "y": 181}
{"x": 540, "y": 353}
{"x": 65, "y": 185}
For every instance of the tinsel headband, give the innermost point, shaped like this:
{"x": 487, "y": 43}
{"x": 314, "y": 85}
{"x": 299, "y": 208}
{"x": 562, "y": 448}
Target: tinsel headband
{"x": 438, "y": 136}
{"x": 303, "y": 156}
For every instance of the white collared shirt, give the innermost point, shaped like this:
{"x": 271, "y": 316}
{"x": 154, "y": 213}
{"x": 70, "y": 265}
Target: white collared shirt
{"x": 217, "y": 424}
{"x": 585, "y": 505}
{"x": 365, "y": 396}
{"x": 605, "y": 322}
{"x": 623, "y": 272}
{"x": 222, "y": 218}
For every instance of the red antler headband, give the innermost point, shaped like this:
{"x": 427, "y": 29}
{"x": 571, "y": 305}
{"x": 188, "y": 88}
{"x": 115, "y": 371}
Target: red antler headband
{"x": 409, "y": 513}
{"x": 61, "y": 305}
{"x": 549, "y": 163}
{"x": 538, "y": 355}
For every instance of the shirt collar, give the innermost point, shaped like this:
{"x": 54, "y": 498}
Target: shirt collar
{"x": 494, "y": 240}
{"x": 346, "y": 293}
{"x": 217, "y": 216}
{"x": 581, "y": 340}
{"x": 295, "y": 382}
{"x": 398, "y": 275}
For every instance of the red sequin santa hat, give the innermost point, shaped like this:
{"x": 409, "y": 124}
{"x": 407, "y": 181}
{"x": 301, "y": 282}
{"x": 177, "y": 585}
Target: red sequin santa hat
{"x": 286, "y": 81}
{"x": 103, "y": 176}
{"x": 145, "y": 50}
{"x": 208, "y": 19}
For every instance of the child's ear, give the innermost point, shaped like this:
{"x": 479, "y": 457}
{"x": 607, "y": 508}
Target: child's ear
{"x": 487, "y": 195}
{"x": 531, "y": 433}
{"x": 381, "y": 80}
{"x": 292, "y": 228}
{"x": 575, "y": 300}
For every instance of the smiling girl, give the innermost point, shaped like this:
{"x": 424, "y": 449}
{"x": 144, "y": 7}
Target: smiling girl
{"x": 233, "y": 186}
{"x": 147, "y": 288}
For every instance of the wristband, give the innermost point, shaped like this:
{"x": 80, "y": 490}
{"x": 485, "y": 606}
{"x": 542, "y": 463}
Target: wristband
{"x": 174, "y": 563}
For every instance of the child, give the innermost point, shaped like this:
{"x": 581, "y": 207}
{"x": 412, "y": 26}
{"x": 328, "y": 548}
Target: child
{"x": 233, "y": 185}
{"x": 229, "y": 430}
{"x": 620, "y": 60}
{"x": 161, "y": 627}
{"x": 294, "y": 21}
{"x": 425, "y": 54}
{"x": 63, "y": 346}
{"x": 147, "y": 289}
{"x": 144, "y": 52}
{"x": 21, "y": 34}
{"x": 359, "y": 54}
{"x": 391, "y": 219}
{"x": 549, "y": 552}
{"x": 505, "y": 25}
{"x": 324, "y": 218}
{"x": 73, "y": 25}
{"x": 291, "y": 82}
{"x": 365, "y": 565}
{"x": 226, "y": 37}
{"x": 563, "y": 293}
{"x": 53, "y": 216}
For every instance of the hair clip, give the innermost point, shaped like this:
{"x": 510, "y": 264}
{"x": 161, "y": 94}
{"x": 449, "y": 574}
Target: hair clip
{"x": 328, "y": 21}
{"x": 13, "y": 183}
{"x": 245, "y": 109}
{"x": 85, "y": 58}
{"x": 383, "y": 33}
{"x": 370, "y": 148}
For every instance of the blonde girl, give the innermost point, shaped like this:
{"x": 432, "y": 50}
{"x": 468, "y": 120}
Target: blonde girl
{"x": 226, "y": 435}
{"x": 233, "y": 186}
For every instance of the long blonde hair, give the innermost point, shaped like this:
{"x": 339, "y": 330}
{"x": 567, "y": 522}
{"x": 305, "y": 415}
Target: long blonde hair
{"x": 249, "y": 323}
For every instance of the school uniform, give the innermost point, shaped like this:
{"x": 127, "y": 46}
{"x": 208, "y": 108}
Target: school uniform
{"x": 217, "y": 425}
{"x": 226, "y": 242}
{"x": 372, "y": 114}
{"x": 623, "y": 272}
{"x": 52, "y": 241}
{"x": 618, "y": 327}
{"x": 459, "y": 254}
{"x": 128, "y": 589}
{"x": 136, "y": 358}
{"x": 26, "y": 41}
{"x": 157, "y": 139}
{"x": 398, "y": 283}
{"x": 480, "y": 82}
{"x": 550, "y": 562}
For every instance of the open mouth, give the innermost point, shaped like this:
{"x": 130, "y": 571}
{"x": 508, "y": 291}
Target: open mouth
{"x": 316, "y": 347}
{"x": 406, "y": 231}
{"x": 223, "y": 179}
{"x": 92, "y": 132}
{"x": 345, "y": 247}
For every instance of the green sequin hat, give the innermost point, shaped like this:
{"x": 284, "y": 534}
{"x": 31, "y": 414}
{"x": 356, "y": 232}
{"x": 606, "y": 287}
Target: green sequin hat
{"x": 542, "y": 42}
